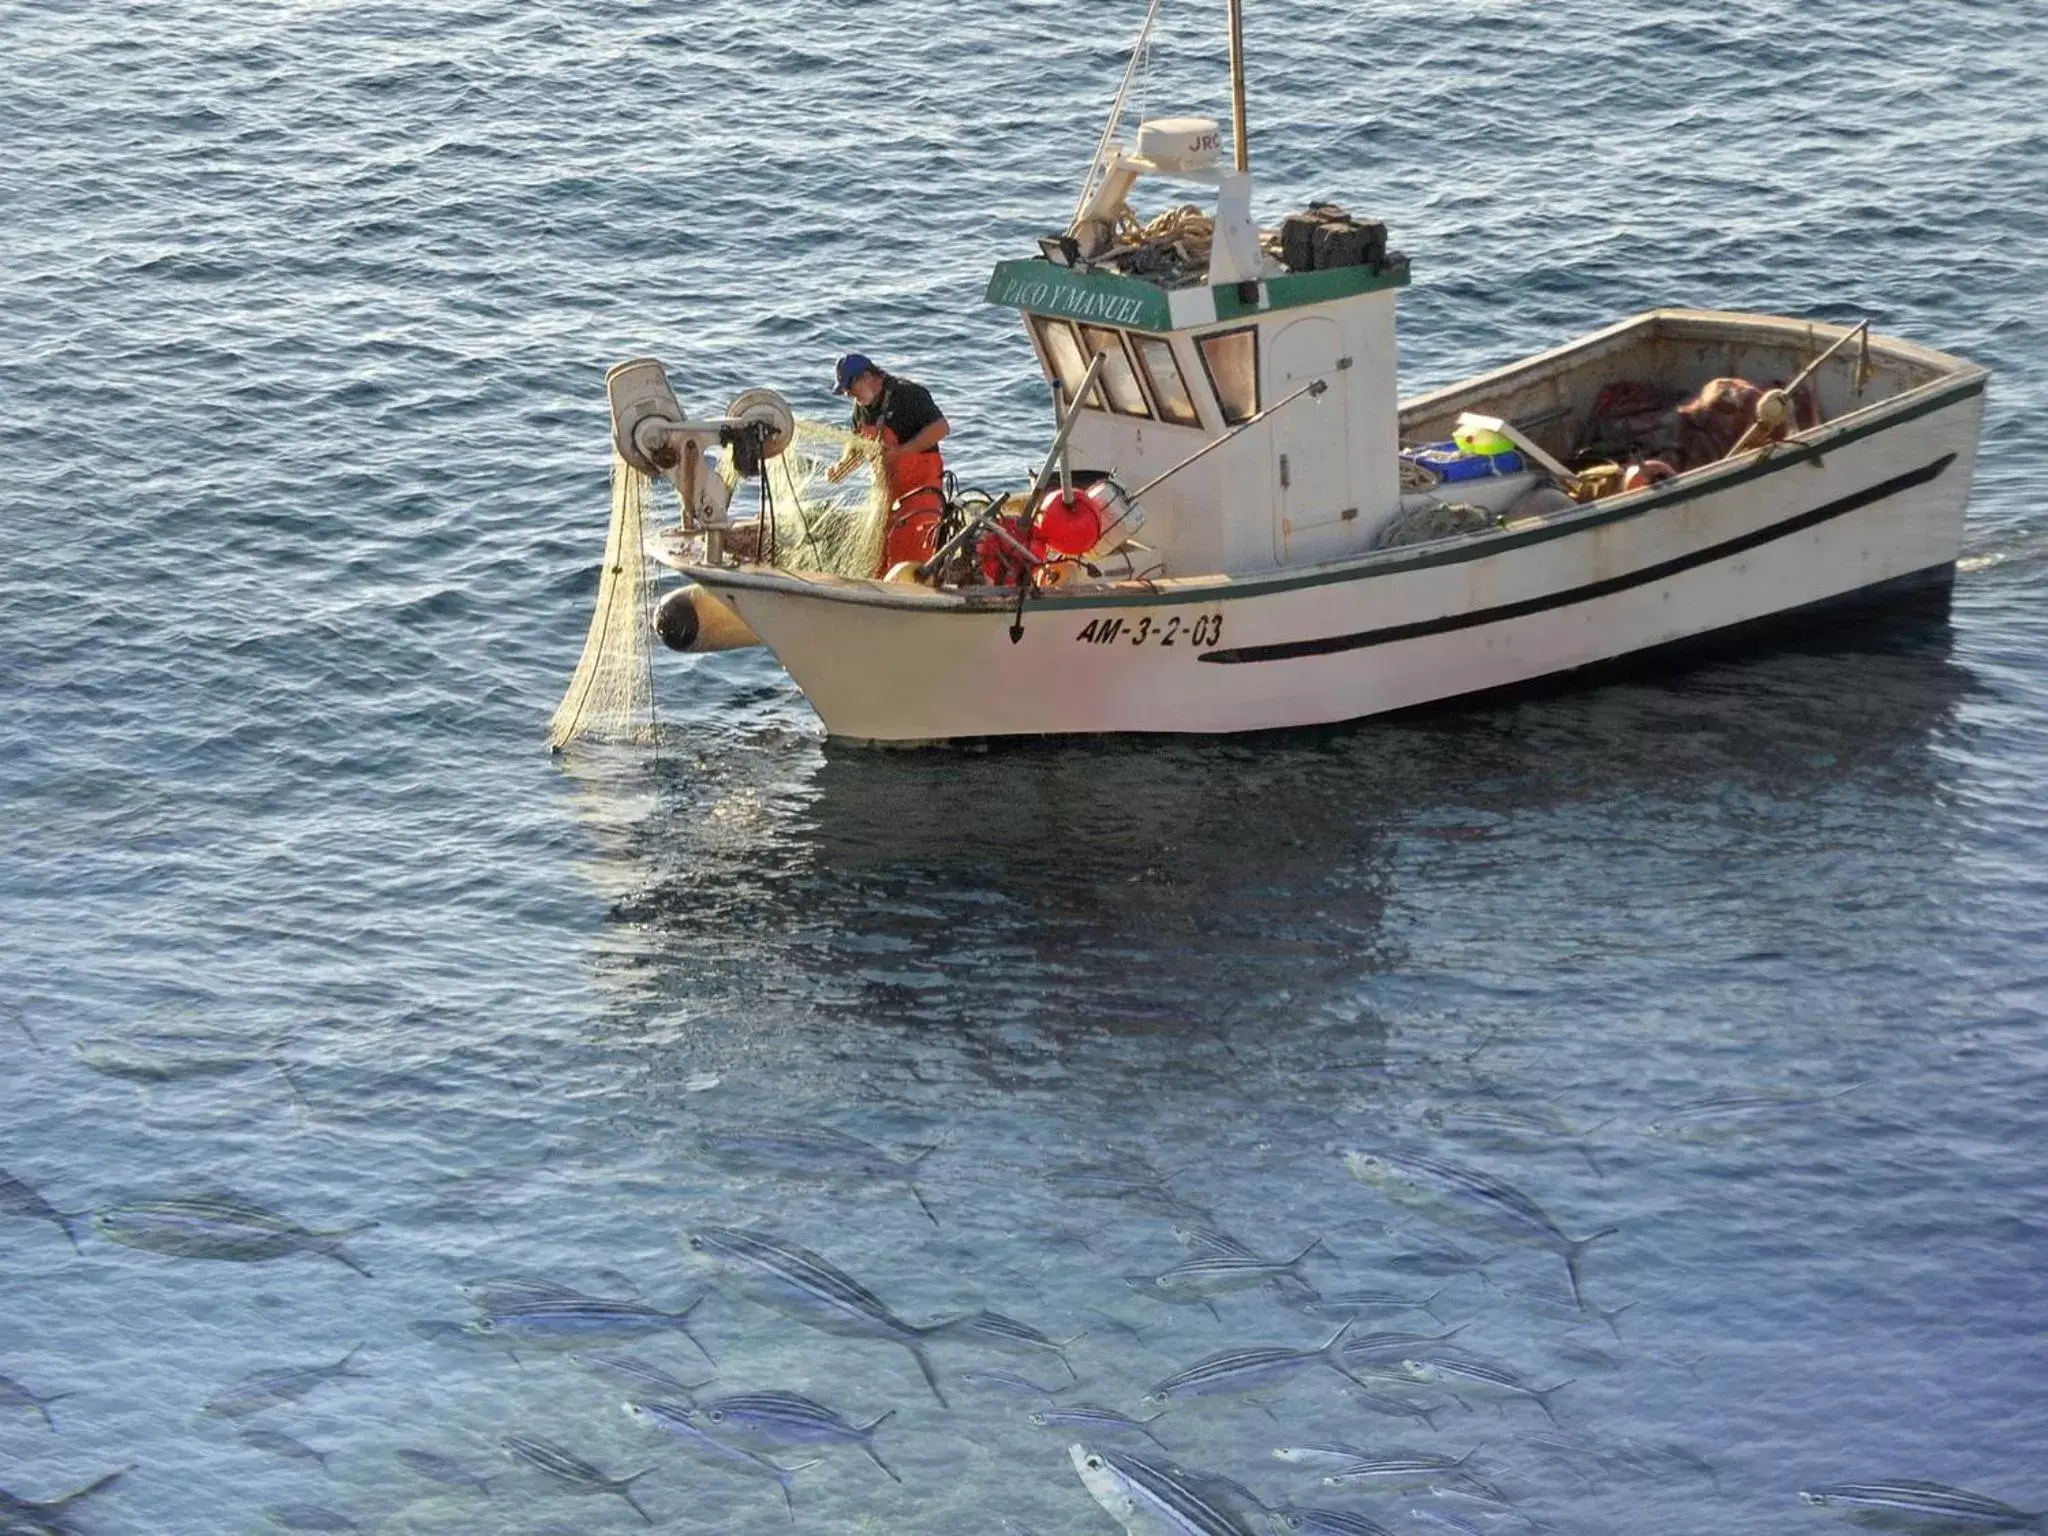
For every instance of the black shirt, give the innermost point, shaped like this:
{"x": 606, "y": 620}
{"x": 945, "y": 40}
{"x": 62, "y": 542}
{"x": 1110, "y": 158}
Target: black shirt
{"x": 903, "y": 407}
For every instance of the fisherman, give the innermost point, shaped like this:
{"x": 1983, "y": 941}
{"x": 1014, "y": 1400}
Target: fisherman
{"x": 901, "y": 416}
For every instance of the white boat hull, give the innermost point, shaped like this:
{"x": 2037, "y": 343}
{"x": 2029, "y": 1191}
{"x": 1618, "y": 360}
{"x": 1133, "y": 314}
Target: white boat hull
{"x": 1853, "y": 508}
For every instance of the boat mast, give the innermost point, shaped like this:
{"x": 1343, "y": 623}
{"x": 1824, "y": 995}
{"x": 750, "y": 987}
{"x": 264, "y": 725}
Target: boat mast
{"x": 1244, "y": 154}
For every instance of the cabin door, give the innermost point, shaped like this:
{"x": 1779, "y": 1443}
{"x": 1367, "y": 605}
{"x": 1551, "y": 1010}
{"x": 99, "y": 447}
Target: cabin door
{"x": 1315, "y": 516}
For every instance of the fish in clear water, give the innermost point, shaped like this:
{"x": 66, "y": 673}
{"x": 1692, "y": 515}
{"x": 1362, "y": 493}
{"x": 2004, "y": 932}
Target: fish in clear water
{"x": 1207, "y": 1239}
{"x": 557, "y": 1320}
{"x": 810, "y": 1152}
{"x": 1481, "y": 1373}
{"x": 1003, "y": 1332}
{"x": 1389, "y": 1349}
{"x": 21, "y": 1199}
{"x": 1704, "y": 1116}
{"x": 1473, "y": 1197}
{"x": 454, "y": 1335}
{"x": 1216, "y": 1273}
{"x": 1446, "y": 1521}
{"x": 1357, "y": 1304}
{"x": 1009, "y": 1381}
{"x": 802, "y": 1284}
{"x": 1240, "y": 1369}
{"x": 1920, "y": 1503}
{"x": 445, "y": 1470}
{"x": 139, "y": 1063}
{"x": 223, "y": 1226}
{"x": 1432, "y": 1256}
{"x": 1333, "y": 1453}
{"x": 675, "y": 1418}
{"x": 14, "y": 1395}
{"x": 308, "y": 1517}
{"x": 1400, "y": 1467}
{"x": 268, "y": 1389}
{"x": 636, "y": 1375}
{"x": 495, "y": 1293}
{"x": 1148, "y": 1497}
{"x": 1146, "y": 1286}
{"x": 49, "y": 1517}
{"x": 1086, "y": 1416}
{"x": 774, "y": 1420}
{"x": 572, "y": 1471}
{"x": 1305, "y": 1520}
{"x": 1562, "y": 1306}
{"x": 1128, "y": 1179}
{"x": 1498, "y": 1123}
{"x": 278, "y": 1443}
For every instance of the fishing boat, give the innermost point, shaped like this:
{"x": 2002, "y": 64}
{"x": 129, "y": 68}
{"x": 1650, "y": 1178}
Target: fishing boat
{"x": 1240, "y": 526}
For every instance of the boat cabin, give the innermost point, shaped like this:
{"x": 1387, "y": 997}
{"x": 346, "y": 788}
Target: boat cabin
{"x": 1211, "y": 335}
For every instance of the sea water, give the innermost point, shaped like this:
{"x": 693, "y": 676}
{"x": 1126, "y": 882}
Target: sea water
{"x": 303, "y": 319}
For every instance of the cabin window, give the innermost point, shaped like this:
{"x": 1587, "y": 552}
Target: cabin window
{"x": 1169, "y": 391}
{"x": 1119, "y": 378}
{"x": 1232, "y": 359}
{"x": 1063, "y": 354}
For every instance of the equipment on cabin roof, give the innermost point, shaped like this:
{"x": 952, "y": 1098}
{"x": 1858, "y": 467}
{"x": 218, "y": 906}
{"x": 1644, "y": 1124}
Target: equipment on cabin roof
{"x": 1325, "y": 237}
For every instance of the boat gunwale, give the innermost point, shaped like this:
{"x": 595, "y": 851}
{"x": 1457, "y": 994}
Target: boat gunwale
{"x": 1955, "y": 379}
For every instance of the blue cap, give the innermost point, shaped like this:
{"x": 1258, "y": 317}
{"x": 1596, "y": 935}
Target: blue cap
{"x": 851, "y": 367}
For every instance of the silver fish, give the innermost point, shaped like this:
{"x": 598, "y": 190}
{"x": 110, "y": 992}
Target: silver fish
{"x": 436, "y": 1468}
{"x": 1705, "y": 1115}
{"x": 308, "y": 1517}
{"x": 20, "y": 1199}
{"x": 777, "y": 1419}
{"x": 1215, "y": 1273}
{"x": 1370, "y": 1349}
{"x": 1439, "y": 1368}
{"x": 636, "y": 1375}
{"x": 221, "y": 1226}
{"x": 499, "y": 1293}
{"x": 1406, "y": 1467}
{"x": 1475, "y": 1197}
{"x": 811, "y": 1152}
{"x": 1003, "y": 1332}
{"x": 47, "y": 1517}
{"x": 278, "y": 1443}
{"x": 572, "y": 1471}
{"x": 140, "y": 1063}
{"x": 1355, "y": 1304}
{"x": 1147, "y": 1286}
{"x": 1957, "y": 1508}
{"x": 1304, "y": 1520}
{"x": 795, "y": 1280}
{"x": 1239, "y": 1370}
{"x": 1324, "y": 1454}
{"x": 1207, "y": 1239}
{"x": 14, "y": 1395}
{"x": 675, "y": 1418}
{"x": 561, "y": 1319}
{"x": 1092, "y": 1416}
{"x": 1147, "y": 1496}
{"x": 1565, "y": 1307}
{"x": 267, "y": 1389}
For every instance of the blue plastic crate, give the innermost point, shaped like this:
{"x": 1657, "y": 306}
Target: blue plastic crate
{"x": 1450, "y": 463}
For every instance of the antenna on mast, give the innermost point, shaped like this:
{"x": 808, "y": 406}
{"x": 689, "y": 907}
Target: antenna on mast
{"x": 1237, "y": 129}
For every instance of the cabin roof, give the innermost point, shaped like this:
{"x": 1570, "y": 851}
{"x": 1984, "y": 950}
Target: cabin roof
{"x": 1040, "y": 287}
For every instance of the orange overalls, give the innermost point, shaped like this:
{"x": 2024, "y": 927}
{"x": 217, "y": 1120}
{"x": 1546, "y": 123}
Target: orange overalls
{"x": 915, "y": 501}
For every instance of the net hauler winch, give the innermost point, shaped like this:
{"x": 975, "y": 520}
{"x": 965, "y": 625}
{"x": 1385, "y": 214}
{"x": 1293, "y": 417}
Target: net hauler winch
{"x": 1237, "y": 524}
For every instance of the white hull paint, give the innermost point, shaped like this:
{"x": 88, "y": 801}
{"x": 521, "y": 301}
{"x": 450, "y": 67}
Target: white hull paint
{"x": 1859, "y": 504}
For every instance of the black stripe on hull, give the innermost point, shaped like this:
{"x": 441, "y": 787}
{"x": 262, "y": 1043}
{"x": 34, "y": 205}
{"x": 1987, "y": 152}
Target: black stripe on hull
{"x": 1331, "y": 645}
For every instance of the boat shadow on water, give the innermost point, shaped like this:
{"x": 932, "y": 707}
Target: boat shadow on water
{"x": 1141, "y": 886}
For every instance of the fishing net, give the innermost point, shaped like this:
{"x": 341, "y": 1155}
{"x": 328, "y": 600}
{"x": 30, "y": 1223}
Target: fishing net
{"x": 813, "y": 524}
{"x": 817, "y": 525}
{"x": 611, "y": 697}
